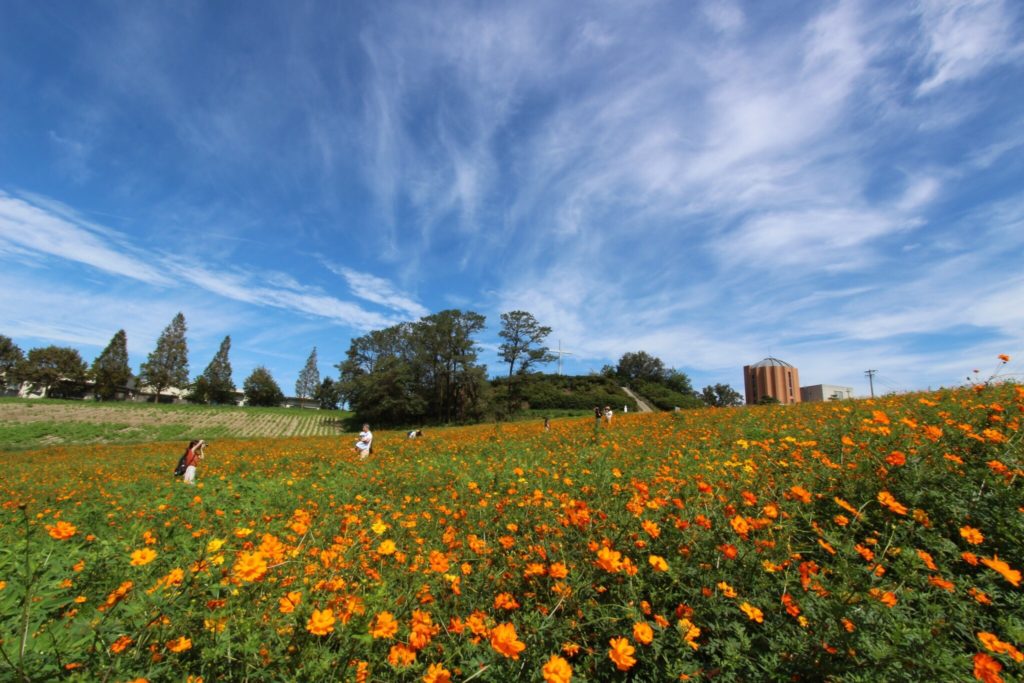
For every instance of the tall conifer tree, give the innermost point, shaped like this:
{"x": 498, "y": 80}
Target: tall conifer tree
{"x": 167, "y": 365}
{"x": 215, "y": 384}
{"x": 309, "y": 378}
{"x": 110, "y": 369}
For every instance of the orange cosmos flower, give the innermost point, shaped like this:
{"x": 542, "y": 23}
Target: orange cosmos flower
{"x": 505, "y": 601}
{"x": 887, "y": 598}
{"x": 1011, "y": 575}
{"x": 971, "y": 535}
{"x": 987, "y": 669}
{"x": 289, "y": 602}
{"x": 321, "y": 622}
{"x": 401, "y": 655}
{"x": 643, "y": 633}
{"x": 386, "y": 547}
{"x": 993, "y": 644}
{"x": 558, "y": 570}
{"x": 384, "y": 626}
{"x": 740, "y": 525}
{"x": 179, "y": 644}
{"x": 942, "y": 583}
{"x": 886, "y": 499}
{"x": 556, "y": 670}
{"x": 609, "y": 560}
{"x": 250, "y": 566}
{"x": 438, "y": 562}
{"x": 504, "y": 641}
{"x": 143, "y": 556}
{"x": 658, "y": 563}
{"x": 121, "y": 644}
{"x": 896, "y": 458}
{"x": 621, "y": 653}
{"x": 62, "y": 530}
{"x": 689, "y": 632}
{"x": 436, "y": 673}
{"x": 727, "y": 590}
{"x": 799, "y": 493}
{"x": 753, "y": 613}
{"x": 1003, "y": 357}
{"x": 652, "y": 528}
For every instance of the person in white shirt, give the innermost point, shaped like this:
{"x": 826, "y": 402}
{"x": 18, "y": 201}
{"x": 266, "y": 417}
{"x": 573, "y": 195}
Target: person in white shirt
{"x": 365, "y": 442}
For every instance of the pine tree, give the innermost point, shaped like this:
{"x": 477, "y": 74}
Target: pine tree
{"x": 309, "y": 378}
{"x": 215, "y": 384}
{"x": 167, "y": 365}
{"x": 110, "y": 369}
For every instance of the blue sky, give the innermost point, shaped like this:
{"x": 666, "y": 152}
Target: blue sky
{"x": 837, "y": 184}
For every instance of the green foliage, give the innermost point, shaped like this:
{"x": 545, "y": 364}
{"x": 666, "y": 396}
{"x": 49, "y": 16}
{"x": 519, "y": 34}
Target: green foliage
{"x": 721, "y": 396}
{"x": 565, "y": 392}
{"x": 767, "y": 400}
{"x": 328, "y": 393}
{"x": 665, "y": 398}
{"x": 215, "y": 385}
{"x": 418, "y": 372}
{"x": 11, "y": 356}
{"x": 640, "y": 366}
{"x": 58, "y": 371}
{"x": 309, "y": 377}
{"x": 167, "y": 365}
{"x": 110, "y": 370}
{"x": 524, "y": 344}
{"x": 261, "y": 389}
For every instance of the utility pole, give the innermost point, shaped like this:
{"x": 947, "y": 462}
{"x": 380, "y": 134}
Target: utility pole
{"x": 560, "y": 354}
{"x": 871, "y": 380}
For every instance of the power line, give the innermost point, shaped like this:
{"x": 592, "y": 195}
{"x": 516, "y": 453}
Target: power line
{"x": 871, "y": 380}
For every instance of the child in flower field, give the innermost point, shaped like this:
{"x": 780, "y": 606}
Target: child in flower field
{"x": 193, "y": 455}
{"x": 365, "y": 442}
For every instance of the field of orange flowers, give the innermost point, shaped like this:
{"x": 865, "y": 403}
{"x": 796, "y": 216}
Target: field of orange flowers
{"x": 855, "y": 541}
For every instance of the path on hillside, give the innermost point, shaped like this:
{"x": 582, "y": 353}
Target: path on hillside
{"x": 641, "y": 406}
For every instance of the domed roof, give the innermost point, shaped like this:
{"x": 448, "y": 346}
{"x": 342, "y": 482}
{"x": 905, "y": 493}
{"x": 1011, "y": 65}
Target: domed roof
{"x": 771, "y": 362}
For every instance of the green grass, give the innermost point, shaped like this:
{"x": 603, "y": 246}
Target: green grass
{"x": 29, "y": 435}
{"x": 171, "y": 407}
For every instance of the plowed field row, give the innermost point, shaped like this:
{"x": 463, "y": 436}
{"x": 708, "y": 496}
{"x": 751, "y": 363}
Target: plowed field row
{"x": 243, "y": 422}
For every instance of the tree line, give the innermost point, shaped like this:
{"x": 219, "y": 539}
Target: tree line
{"x": 411, "y": 373}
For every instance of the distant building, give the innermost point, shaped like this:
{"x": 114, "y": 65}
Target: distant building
{"x": 771, "y": 377}
{"x": 825, "y": 392}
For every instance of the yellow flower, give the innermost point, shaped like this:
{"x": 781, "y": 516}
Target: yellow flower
{"x": 321, "y": 622}
{"x": 179, "y": 644}
{"x": 214, "y": 545}
{"x": 621, "y": 652}
{"x": 143, "y": 556}
{"x": 643, "y": 633}
{"x": 658, "y": 563}
{"x": 689, "y": 632}
{"x": 753, "y": 613}
{"x": 556, "y": 670}
{"x": 386, "y": 547}
{"x": 250, "y": 566}
{"x": 289, "y": 602}
{"x": 505, "y": 641}
{"x": 61, "y": 530}
{"x": 971, "y": 535}
{"x": 384, "y": 626}
{"x": 436, "y": 673}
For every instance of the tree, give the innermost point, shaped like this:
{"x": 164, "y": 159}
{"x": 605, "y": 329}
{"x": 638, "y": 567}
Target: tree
{"x": 524, "y": 343}
{"x": 57, "y": 370}
{"x": 721, "y": 396}
{"x": 215, "y": 384}
{"x": 261, "y": 389}
{"x": 328, "y": 393}
{"x": 110, "y": 369}
{"x": 167, "y": 365}
{"x": 446, "y": 355}
{"x": 640, "y": 366}
{"x": 11, "y": 356}
{"x": 309, "y": 378}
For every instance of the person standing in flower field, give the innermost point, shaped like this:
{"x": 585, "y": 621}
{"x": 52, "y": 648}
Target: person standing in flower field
{"x": 597, "y": 416}
{"x": 365, "y": 442}
{"x": 192, "y": 456}
{"x": 608, "y": 414}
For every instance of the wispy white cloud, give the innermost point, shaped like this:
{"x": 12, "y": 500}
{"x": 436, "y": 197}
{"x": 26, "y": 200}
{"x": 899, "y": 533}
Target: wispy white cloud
{"x": 965, "y": 38}
{"x": 32, "y": 228}
{"x": 378, "y": 290}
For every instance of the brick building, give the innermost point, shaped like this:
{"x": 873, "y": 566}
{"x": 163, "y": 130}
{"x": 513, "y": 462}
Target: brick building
{"x": 771, "y": 377}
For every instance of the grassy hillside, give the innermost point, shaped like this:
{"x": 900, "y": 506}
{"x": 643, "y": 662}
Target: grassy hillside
{"x": 30, "y": 423}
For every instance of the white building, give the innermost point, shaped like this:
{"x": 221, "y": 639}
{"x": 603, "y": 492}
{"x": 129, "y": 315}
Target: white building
{"x": 825, "y": 392}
